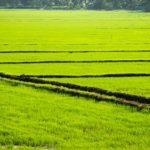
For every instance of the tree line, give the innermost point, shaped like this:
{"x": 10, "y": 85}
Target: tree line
{"x": 77, "y": 4}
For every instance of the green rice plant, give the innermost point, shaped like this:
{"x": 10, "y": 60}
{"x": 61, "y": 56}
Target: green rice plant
{"x": 76, "y": 56}
{"x": 75, "y": 69}
{"x": 38, "y": 118}
{"x": 74, "y": 30}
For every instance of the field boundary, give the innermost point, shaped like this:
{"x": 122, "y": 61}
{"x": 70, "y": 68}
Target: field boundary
{"x": 75, "y": 61}
{"x": 74, "y": 51}
{"x": 122, "y": 98}
{"x": 92, "y": 76}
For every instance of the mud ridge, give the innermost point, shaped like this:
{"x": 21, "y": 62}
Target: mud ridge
{"x": 85, "y": 51}
{"x": 87, "y": 95}
{"x": 92, "y": 76}
{"x": 80, "y": 61}
{"x": 123, "y": 96}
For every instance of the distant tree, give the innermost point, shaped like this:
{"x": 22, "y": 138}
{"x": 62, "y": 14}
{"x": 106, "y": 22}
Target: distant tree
{"x": 117, "y": 4}
{"x": 99, "y": 4}
{"x": 147, "y": 5}
{"x": 25, "y": 3}
{"x": 71, "y": 4}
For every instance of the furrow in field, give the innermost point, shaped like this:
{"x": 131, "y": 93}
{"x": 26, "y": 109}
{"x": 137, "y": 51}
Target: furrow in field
{"x": 74, "y": 51}
{"x": 92, "y": 76}
{"x": 129, "y": 99}
{"x": 82, "y": 61}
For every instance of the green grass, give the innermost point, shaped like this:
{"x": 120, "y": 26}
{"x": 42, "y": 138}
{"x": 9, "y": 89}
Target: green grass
{"x": 38, "y": 118}
{"x": 74, "y": 30}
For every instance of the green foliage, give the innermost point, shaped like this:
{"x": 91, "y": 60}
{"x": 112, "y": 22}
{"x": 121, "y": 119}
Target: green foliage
{"x": 72, "y": 4}
{"x": 147, "y": 5}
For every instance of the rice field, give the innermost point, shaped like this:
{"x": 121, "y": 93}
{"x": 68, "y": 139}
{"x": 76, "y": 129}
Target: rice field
{"x": 74, "y": 80}
{"x": 74, "y": 30}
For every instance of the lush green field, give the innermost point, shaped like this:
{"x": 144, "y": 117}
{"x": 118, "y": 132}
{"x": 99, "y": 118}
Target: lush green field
{"x": 74, "y": 30}
{"x": 76, "y": 69}
{"x": 89, "y": 56}
{"x": 32, "y": 117}
{"x": 13, "y": 57}
{"x": 39, "y": 118}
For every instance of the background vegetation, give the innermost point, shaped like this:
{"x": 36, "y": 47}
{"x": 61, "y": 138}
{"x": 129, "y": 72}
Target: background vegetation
{"x": 77, "y": 4}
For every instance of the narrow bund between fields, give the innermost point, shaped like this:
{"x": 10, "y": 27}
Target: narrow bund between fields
{"x": 89, "y": 92}
{"x": 79, "y": 61}
{"x": 74, "y": 51}
{"x": 92, "y": 76}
